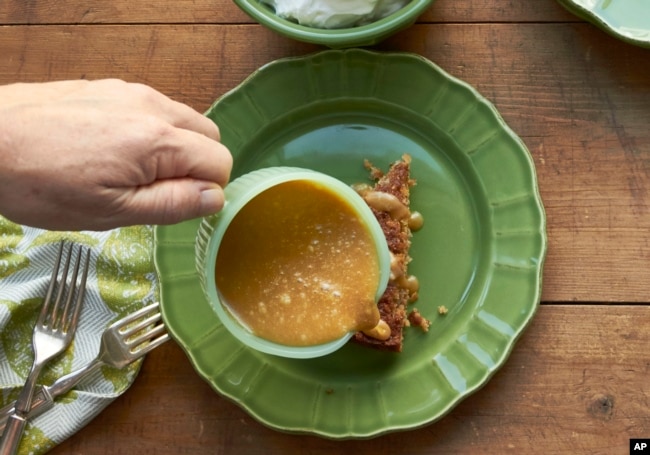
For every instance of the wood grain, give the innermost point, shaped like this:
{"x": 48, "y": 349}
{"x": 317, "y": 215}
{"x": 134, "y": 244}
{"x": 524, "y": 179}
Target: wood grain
{"x": 226, "y": 12}
{"x": 575, "y": 384}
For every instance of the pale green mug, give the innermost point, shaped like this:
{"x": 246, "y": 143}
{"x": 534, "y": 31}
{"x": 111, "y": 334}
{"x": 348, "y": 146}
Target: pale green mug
{"x": 240, "y": 192}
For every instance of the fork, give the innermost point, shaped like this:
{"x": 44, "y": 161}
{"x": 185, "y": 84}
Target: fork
{"x": 53, "y": 333}
{"x": 122, "y": 342}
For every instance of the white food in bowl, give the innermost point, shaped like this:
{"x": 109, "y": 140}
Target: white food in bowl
{"x": 333, "y": 14}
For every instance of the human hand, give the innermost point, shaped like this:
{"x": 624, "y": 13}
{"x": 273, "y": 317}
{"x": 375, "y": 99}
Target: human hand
{"x": 94, "y": 155}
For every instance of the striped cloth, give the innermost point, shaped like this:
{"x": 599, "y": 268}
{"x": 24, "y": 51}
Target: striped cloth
{"x": 121, "y": 280}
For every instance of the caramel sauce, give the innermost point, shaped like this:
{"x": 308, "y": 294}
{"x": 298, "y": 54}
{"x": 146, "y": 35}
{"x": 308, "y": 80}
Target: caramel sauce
{"x": 416, "y": 221}
{"x": 380, "y": 332}
{"x": 385, "y": 202}
{"x": 389, "y": 203}
{"x": 411, "y": 284}
{"x": 361, "y": 188}
{"x": 298, "y": 267}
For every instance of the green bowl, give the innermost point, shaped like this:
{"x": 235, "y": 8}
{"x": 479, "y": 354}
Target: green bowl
{"x": 212, "y": 229}
{"x": 363, "y": 35}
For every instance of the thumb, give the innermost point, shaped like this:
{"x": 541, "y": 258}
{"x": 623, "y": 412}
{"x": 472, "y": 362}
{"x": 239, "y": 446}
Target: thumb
{"x": 174, "y": 200}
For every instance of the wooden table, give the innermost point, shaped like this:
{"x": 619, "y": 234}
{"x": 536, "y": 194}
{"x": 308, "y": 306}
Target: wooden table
{"x": 579, "y": 379}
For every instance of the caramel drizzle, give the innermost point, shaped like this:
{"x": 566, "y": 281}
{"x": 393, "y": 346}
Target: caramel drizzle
{"x": 380, "y": 332}
{"x": 386, "y": 202}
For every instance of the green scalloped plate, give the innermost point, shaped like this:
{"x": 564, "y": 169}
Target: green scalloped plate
{"x": 627, "y": 20}
{"x": 480, "y": 252}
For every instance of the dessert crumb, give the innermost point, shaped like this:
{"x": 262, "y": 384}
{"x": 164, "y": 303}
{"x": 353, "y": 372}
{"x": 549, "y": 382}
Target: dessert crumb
{"x": 417, "y": 320}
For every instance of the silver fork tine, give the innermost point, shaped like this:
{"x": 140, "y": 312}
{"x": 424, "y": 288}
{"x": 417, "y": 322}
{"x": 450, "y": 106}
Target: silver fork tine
{"x": 69, "y": 321}
{"x": 116, "y": 350}
{"x": 144, "y": 335}
{"x": 135, "y": 328}
{"x": 135, "y": 316}
{"x": 52, "y": 319}
{"x": 52, "y": 335}
{"x": 152, "y": 345}
{"x": 50, "y": 288}
{"x": 153, "y": 342}
{"x": 128, "y": 329}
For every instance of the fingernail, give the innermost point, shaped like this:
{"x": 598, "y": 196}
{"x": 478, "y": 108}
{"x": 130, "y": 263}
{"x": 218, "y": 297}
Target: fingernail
{"x": 211, "y": 201}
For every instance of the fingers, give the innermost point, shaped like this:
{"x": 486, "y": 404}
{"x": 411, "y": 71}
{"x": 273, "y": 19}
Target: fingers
{"x": 192, "y": 148}
{"x": 184, "y": 153}
{"x": 177, "y": 114}
{"x": 171, "y": 201}
{"x": 187, "y": 118}
{"x": 198, "y": 153}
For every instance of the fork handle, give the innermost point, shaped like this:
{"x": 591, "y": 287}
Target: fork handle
{"x": 42, "y": 402}
{"x": 44, "y": 396}
{"x": 12, "y": 434}
{"x": 18, "y": 420}
{"x": 67, "y": 382}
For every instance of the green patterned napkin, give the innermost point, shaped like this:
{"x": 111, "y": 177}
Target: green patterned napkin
{"x": 122, "y": 279}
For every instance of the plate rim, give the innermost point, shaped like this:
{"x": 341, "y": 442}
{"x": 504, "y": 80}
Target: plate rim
{"x": 602, "y": 22}
{"x": 501, "y": 360}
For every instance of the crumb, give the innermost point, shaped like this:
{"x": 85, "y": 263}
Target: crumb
{"x": 416, "y": 319}
{"x": 375, "y": 172}
{"x": 442, "y": 310}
